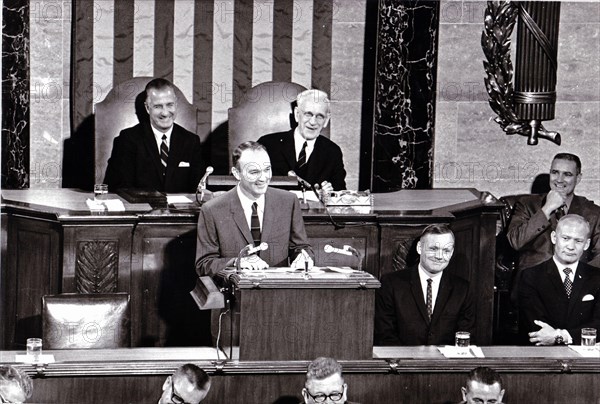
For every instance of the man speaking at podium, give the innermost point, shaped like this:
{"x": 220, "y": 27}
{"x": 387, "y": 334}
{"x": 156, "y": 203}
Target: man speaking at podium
{"x": 252, "y": 214}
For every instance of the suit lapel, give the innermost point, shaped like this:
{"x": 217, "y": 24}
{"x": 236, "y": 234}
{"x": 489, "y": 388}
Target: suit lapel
{"x": 316, "y": 159}
{"x": 554, "y": 277}
{"x": 577, "y": 291}
{"x": 267, "y": 222}
{"x": 175, "y": 150}
{"x": 444, "y": 292}
{"x": 237, "y": 212}
{"x": 289, "y": 151}
{"x": 417, "y": 292}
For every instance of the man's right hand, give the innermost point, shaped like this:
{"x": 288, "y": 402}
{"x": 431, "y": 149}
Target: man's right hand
{"x": 253, "y": 262}
{"x": 554, "y": 200}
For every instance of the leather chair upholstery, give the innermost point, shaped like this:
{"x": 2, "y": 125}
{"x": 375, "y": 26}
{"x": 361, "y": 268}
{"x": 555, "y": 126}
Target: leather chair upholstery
{"x": 122, "y": 108}
{"x": 76, "y": 321}
{"x": 265, "y": 108}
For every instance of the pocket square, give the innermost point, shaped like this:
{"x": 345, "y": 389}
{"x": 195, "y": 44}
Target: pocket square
{"x": 184, "y": 164}
{"x": 587, "y": 298}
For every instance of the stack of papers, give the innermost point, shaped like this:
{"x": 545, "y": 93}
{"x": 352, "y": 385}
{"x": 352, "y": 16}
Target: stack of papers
{"x": 587, "y": 351}
{"x": 111, "y": 205}
{"x": 451, "y": 351}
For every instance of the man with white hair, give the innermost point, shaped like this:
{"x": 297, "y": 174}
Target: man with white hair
{"x": 314, "y": 158}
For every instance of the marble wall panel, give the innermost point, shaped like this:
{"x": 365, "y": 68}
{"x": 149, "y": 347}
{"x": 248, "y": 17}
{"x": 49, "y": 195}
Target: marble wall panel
{"x": 15, "y": 95}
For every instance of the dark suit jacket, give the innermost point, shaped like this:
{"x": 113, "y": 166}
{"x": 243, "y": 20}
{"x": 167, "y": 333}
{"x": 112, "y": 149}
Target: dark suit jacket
{"x": 325, "y": 162}
{"x": 223, "y": 231}
{"x": 529, "y": 230}
{"x": 135, "y": 161}
{"x": 542, "y": 297}
{"x": 401, "y": 315}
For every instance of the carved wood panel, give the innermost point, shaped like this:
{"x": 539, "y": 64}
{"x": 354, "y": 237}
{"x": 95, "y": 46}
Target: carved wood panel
{"x": 96, "y": 266}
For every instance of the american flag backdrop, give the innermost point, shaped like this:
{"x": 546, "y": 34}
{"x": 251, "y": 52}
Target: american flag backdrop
{"x": 212, "y": 50}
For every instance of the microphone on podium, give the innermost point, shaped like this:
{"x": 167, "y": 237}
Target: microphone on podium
{"x": 303, "y": 183}
{"x": 202, "y": 184}
{"x": 247, "y": 251}
{"x": 346, "y": 250}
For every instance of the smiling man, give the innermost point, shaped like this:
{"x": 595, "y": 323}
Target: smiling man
{"x": 424, "y": 304}
{"x": 315, "y": 158}
{"x": 250, "y": 214}
{"x": 156, "y": 154}
{"x": 535, "y": 216}
{"x": 560, "y": 296}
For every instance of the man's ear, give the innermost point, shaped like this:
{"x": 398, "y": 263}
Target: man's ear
{"x": 167, "y": 383}
{"x": 326, "y": 120}
{"x": 587, "y": 244}
{"x": 464, "y": 393}
{"x": 235, "y": 173}
{"x": 501, "y": 394}
{"x": 553, "y": 237}
{"x": 577, "y": 179}
{"x": 419, "y": 247}
{"x": 305, "y": 394}
{"x": 147, "y": 107}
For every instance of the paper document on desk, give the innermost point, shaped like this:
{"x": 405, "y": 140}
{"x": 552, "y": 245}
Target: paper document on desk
{"x": 178, "y": 199}
{"x": 587, "y": 351}
{"x": 309, "y": 195}
{"x": 451, "y": 351}
{"x": 112, "y": 205}
{"x": 44, "y": 358}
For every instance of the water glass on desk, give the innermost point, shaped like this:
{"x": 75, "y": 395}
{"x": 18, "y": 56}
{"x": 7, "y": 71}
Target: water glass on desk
{"x": 462, "y": 340}
{"x": 34, "y": 349}
{"x": 588, "y": 337}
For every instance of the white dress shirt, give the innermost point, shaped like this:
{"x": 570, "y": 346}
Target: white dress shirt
{"x": 158, "y": 137}
{"x": 435, "y": 285}
{"x": 247, "y": 206}
{"x": 299, "y": 142}
{"x": 562, "y": 273}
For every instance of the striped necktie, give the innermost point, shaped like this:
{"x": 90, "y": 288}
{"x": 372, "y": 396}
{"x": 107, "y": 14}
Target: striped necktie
{"x": 164, "y": 152}
{"x": 255, "y": 224}
{"x": 302, "y": 156}
{"x": 429, "y": 298}
{"x": 568, "y": 282}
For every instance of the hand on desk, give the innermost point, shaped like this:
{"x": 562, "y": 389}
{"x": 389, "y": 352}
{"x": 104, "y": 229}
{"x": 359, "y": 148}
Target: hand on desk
{"x": 301, "y": 260}
{"x": 253, "y": 262}
{"x": 545, "y": 335}
{"x": 326, "y": 187}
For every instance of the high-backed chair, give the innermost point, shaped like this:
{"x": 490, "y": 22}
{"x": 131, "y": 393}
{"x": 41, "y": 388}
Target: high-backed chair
{"x": 265, "y": 108}
{"x": 122, "y": 108}
{"x": 76, "y": 321}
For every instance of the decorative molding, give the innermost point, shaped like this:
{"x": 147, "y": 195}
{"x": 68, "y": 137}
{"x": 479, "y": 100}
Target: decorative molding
{"x": 96, "y": 266}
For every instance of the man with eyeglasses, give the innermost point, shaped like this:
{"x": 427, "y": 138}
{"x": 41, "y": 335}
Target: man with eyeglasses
{"x": 324, "y": 382}
{"x": 188, "y": 385}
{"x": 314, "y": 158}
{"x": 15, "y": 385}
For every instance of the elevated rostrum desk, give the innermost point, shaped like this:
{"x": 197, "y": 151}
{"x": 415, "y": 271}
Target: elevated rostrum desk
{"x": 285, "y": 314}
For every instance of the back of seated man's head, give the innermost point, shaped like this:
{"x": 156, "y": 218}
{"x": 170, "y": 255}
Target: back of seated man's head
{"x": 189, "y": 384}
{"x": 324, "y": 382}
{"x": 483, "y": 386}
{"x": 15, "y": 385}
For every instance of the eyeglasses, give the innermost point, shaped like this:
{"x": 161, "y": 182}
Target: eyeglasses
{"x": 309, "y": 115}
{"x": 320, "y": 397}
{"x": 175, "y": 396}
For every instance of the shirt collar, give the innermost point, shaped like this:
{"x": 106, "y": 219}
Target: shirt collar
{"x": 299, "y": 142}
{"x": 424, "y": 275}
{"x": 158, "y": 135}
{"x": 247, "y": 202}
{"x": 562, "y": 266}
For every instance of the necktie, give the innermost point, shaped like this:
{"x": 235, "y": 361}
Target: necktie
{"x": 164, "y": 151}
{"x": 568, "y": 283}
{"x": 429, "y": 298}
{"x": 302, "y": 156}
{"x": 560, "y": 212}
{"x": 255, "y": 224}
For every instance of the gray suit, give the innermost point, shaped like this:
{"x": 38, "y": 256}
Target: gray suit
{"x": 223, "y": 231}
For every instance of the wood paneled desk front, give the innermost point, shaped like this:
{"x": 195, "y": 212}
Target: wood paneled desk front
{"x": 52, "y": 244}
{"x": 411, "y": 375}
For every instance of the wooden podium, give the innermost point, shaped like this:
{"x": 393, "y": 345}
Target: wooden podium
{"x": 281, "y": 314}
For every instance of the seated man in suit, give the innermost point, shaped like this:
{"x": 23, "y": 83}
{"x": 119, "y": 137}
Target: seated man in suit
{"x": 483, "y": 386}
{"x": 250, "y": 214}
{"x": 189, "y": 384}
{"x": 324, "y": 382}
{"x": 560, "y": 296}
{"x": 424, "y": 304}
{"x": 15, "y": 385}
{"x": 156, "y": 154}
{"x": 314, "y": 158}
{"x": 535, "y": 216}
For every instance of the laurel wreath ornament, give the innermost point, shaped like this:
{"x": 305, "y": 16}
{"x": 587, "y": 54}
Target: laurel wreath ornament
{"x": 500, "y": 18}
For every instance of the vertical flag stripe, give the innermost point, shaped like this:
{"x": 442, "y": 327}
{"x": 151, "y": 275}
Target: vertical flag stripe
{"x": 163, "y": 39}
{"x": 262, "y": 44}
{"x": 203, "y": 64}
{"x": 321, "y": 52}
{"x": 82, "y": 57}
{"x": 183, "y": 47}
{"x": 123, "y": 41}
{"x": 302, "y": 43}
{"x": 103, "y": 37}
{"x": 222, "y": 58}
{"x": 242, "y": 48}
{"x": 283, "y": 18}
{"x": 143, "y": 38}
